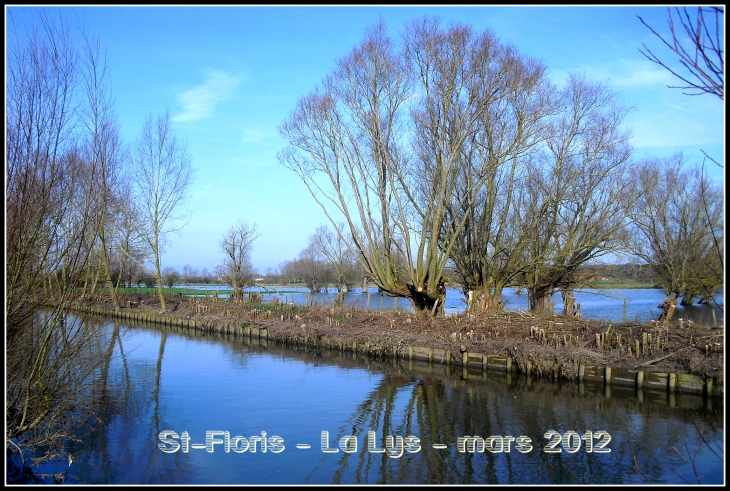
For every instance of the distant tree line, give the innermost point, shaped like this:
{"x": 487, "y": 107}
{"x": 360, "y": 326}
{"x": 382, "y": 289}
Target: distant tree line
{"x": 325, "y": 261}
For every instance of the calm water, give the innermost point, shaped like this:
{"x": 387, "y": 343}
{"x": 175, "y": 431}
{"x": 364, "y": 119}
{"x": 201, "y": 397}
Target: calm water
{"x": 640, "y": 304}
{"x": 173, "y": 380}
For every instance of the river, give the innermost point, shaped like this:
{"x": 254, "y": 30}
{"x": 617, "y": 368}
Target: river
{"x": 614, "y": 305}
{"x": 175, "y": 401}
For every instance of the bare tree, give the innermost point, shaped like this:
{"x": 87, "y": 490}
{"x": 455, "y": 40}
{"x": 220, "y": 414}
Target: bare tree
{"x": 236, "y": 246}
{"x": 677, "y": 228}
{"x": 131, "y": 249}
{"x": 312, "y": 268}
{"x": 380, "y": 140}
{"x": 102, "y": 150}
{"x": 698, "y": 40}
{"x": 700, "y": 51}
{"x": 161, "y": 175}
{"x": 487, "y": 253}
{"x": 170, "y": 276}
{"x": 336, "y": 253}
{"x": 190, "y": 274}
{"x": 571, "y": 204}
{"x": 49, "y": 204}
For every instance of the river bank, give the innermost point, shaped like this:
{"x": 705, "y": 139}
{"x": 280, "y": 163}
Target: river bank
{"x": 557, "y": 346}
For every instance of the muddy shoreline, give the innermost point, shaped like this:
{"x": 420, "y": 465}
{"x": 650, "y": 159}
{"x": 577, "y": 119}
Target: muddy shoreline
{"x": 554, "y": 346}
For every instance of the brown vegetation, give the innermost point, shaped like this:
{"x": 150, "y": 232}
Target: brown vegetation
{"x": 543, "y": 342}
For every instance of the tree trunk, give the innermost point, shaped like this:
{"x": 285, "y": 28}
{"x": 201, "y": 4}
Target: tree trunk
{"x": 313, "y": 286}
{"x": 365, "y": 284}
{"x": 668, "y": 305}
{"x": 112, "y": 286}
{"x": 485, "y": 298}
{"x": 424, "y": 302}
{"x": 539, "y": 300}
{"x": 495, "y": 303}
{"x": 94, "y": 281}
{"x": 158, "y": 276}
{"x": 689, "y": 299}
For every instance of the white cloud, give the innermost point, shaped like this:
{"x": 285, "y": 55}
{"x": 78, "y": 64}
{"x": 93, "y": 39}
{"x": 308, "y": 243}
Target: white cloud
{"x": 629, "y": 74}
{"x": 199, "y": 102}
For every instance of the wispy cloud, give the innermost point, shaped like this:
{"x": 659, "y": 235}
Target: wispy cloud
{"x": 199, "y": 102}
{"x": 253, "y": 135}
{"x": 208, "y": 187}
{"x": 626, "y": 74}
{"x": 213, "y": 184}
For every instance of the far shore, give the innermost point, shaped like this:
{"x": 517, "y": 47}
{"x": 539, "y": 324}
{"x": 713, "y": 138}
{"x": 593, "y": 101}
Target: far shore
{"x": 603, "y": 285}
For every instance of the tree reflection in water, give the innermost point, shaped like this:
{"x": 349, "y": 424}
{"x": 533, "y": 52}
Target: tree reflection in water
{"x": 129, "y": 406}
{"x": 648, "y": 442}
{"x": 655, "y": 437}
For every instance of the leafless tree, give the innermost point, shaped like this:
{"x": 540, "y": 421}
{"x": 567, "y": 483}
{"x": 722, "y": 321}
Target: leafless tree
{"x": 190, "y": 274}
{"x": 236, "y": 246}
{"x": 49, "y": 219}
{"x": 170, "y": 276}
{"x": 336, "y": 253}
{"x": 698, "y": 39}
{"x": 128, "y": 240}
{"x": 311, "y": 268}
{"x": 677, "y": 227}
{"x": 103, "y": 153}
{"x": 161, "y": 175}
{"x": 379, "y": 141}
{"x": 571, "y": 204}
{"x": 487, "y": 253}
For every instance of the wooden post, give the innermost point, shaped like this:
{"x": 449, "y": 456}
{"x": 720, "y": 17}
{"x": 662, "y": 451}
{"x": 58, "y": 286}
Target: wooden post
{"x": 672, "y": 381}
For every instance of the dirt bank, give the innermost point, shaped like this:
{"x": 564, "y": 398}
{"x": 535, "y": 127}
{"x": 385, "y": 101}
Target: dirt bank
{"x": 543, "y": 342}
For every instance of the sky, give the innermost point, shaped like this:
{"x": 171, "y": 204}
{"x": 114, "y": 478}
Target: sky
{"x": 230, "y": 76}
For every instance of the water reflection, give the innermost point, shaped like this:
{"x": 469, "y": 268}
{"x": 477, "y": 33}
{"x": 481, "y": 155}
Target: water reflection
{"x": 174, "y": 380}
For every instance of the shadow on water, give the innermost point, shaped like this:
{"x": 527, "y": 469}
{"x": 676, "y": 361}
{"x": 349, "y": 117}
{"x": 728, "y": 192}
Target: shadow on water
{"x": 651, "y": 436}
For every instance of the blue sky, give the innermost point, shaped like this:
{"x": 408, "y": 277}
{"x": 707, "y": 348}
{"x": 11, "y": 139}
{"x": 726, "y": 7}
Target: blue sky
{"x": 231, "y": 75}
